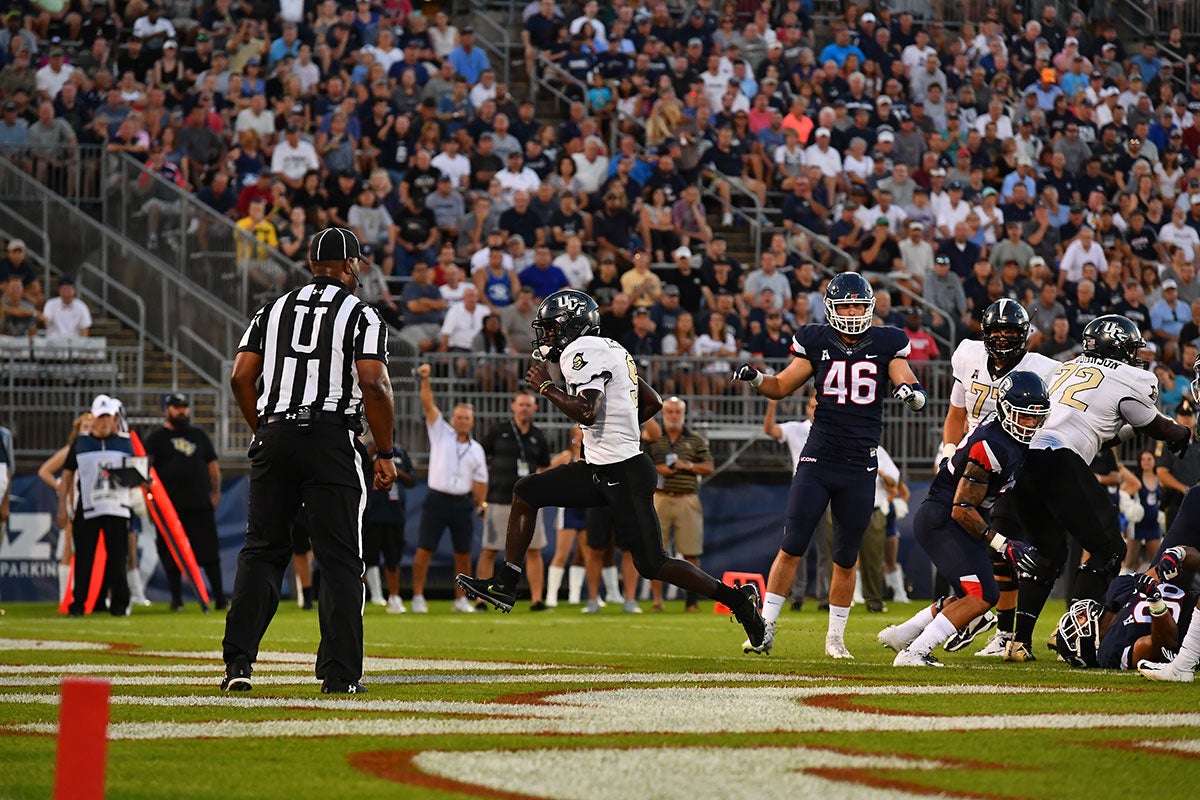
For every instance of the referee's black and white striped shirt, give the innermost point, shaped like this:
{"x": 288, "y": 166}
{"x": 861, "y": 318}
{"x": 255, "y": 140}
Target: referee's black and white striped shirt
{"x": 309, "y": 340}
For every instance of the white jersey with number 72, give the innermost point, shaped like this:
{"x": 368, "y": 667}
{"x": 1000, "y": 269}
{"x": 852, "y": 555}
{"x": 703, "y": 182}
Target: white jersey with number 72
{"x": 1090, "y": 399}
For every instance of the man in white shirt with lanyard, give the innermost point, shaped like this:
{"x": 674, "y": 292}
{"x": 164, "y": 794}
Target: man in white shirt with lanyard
{"x": 458, "y": 483}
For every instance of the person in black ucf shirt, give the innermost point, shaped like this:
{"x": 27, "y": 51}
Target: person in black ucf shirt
{"x": 187, "y": 465}
{"x": 307, "y": 368}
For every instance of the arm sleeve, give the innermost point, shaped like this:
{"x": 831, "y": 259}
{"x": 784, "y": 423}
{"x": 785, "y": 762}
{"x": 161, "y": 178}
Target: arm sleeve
{"x": 210, "y": 453}
{"x": 252, "y": 339}
{"x": 480, "y": 473}
{"x": 371, "y": 336}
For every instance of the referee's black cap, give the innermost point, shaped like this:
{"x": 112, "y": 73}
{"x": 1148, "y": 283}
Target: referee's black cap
{"x": 334, "y": 244}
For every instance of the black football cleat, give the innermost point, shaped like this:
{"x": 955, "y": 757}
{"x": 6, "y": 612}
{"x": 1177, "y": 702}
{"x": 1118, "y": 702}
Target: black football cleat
{"x": 237, "y": 676}
{"x": 488, "y": 590}
{"x": 338, "y": 686}
{"x": 750, "y": 617}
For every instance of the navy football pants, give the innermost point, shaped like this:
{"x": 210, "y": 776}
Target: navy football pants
{"x": 848, "y": 490}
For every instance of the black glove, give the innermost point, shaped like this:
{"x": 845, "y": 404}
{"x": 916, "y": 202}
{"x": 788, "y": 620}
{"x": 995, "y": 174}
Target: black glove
{"x": 1179, "y": 448}
{"x": 1027, "y": 559}
{"x": 1170, "y": 564}
{"x": 1147, "y": 586}
{"x": 748, "y": 373}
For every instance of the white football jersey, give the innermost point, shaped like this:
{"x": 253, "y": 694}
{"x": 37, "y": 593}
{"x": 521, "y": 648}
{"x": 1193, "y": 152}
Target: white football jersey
{"x": 975, "y": 388}
{"x": 1090, "y": 399}
{"x": 594, "y": 362}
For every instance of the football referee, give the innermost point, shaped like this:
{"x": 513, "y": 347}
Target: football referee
{"x": 307, "y": 368}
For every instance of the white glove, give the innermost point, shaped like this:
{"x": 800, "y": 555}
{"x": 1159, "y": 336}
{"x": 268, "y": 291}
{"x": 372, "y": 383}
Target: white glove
{"x": 900, "y": 506}
{"x": 1131, "y": 509}
{"x": 911, "y": 394}
{"x": 1125, "y": 432}
{"x": 541, "y": 353}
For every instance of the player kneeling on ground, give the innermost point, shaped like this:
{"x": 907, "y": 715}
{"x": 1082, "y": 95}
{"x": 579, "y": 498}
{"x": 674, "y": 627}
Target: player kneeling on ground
{"x": 608, "y": 400}
{"x": 952, "y": 524}
{"x": 1141, "y": 623}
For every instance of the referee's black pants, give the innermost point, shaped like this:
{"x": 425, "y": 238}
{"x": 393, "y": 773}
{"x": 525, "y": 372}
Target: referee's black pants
{"x": 322, "y": 466}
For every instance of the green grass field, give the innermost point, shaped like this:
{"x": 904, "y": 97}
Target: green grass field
{"x": 564, "y": 705}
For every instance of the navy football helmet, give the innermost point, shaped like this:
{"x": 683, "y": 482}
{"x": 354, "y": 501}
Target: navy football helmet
{"x": 1115, "y": 337}
{"x": 1005, "y": 329}
{"x": 1077, "y": 637}
{"x": 1022, "y": 394}
{"x": 561, "y": 319}
{"x": 849, "y": 288}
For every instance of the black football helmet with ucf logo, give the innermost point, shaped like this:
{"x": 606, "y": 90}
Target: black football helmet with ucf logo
{"x": 561, "y": 319}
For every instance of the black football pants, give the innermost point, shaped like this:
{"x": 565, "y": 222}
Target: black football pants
{"x": 322, "y": 466}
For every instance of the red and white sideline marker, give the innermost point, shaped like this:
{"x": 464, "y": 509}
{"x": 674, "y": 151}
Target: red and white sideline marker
{"x": 82, "y": 740}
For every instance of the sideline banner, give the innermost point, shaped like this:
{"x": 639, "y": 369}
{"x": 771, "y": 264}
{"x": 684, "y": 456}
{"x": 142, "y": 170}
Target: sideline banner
{"x": 743, "y": 529}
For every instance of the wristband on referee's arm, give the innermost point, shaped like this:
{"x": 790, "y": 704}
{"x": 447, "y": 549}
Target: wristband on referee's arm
{"x": 388, "y": 454}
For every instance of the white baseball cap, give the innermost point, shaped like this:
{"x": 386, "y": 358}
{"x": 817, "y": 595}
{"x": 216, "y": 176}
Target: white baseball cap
{"x": 821, "y": 132}
{"x": 682, "y": 252}
{"x": 104, "y": 405}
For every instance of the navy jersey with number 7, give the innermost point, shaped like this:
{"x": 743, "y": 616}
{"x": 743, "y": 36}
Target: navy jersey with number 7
{"x": 852, "y": 382}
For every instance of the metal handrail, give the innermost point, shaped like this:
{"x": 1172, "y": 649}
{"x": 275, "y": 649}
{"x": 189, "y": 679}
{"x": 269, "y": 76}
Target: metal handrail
{"x": 192, "y": 208}
{"x": 756, "y": 225}
{"x": 138, "y": 324}
{"x": 115, "y": 248}
{"x": 538, "y": 80}
{"x": 502, "y": 50}
{"x": 185, "y": 332}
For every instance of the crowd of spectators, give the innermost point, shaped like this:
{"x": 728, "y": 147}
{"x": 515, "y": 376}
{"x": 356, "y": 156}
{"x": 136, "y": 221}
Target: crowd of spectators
{"x": 1021, "y": 155}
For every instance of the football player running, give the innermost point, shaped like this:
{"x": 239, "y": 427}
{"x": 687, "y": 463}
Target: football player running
{"x": 609, "y": 401}
{"x": 1141, "y": 623}
{"x": 952, "y": 525}
{"x": 1104, "y": 393}
{"x": 851, "y": 362}
{"x": 978, "y": 368}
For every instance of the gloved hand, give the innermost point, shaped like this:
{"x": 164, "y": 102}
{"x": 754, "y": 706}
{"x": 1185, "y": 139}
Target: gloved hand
{"x": 911, "y": 394}
{"x": 1147, "y": 586}
{"x": 900, "y": 506}
{"x": 749, "y": 374}
{"x": 1026, "y": 558}
{"x": 1015, "y": 551}
{"x": 1170, "y": 564}
{"x": 1178, "y": 448}
{"x": 945, "y": 453}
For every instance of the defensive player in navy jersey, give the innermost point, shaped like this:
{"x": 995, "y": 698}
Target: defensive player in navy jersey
{"x": 952, "y": 525}
{"x": 1140, "y": 622}
{"x": 851, "y": 362}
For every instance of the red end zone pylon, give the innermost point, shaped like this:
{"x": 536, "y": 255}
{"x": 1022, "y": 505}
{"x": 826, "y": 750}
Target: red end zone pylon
{"x": 82, "y": 740}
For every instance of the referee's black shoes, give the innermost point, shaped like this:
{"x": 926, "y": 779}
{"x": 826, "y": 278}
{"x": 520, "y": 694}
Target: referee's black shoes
{"x": 750, "y": 617}
{"x": 488, "y": 589}
{"x": 237, "y": 676}
{"x": 337, "y": 686}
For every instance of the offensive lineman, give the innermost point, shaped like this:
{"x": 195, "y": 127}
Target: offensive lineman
{"x": 609, "y": 401}
{"x": 851, "y": 362}
{"x": 1094, "y": 397}
{"x": 952, "y": 525}
{"x": 978, "y": 368}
